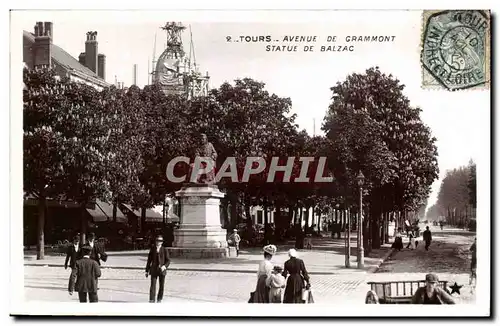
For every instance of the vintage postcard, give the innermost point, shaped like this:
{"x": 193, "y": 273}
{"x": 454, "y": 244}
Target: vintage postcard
{"x": 167, "y": 161}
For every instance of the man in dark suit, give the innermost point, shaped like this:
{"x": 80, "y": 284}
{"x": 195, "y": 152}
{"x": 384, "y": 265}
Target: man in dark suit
{"x": 156, "y": 266}
{"x": 73, "y": 253}
{"x": 86, "y": 273}
{"x": 97, "y": 253}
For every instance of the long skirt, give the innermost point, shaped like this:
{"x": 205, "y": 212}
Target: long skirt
{"x": 293, "y": 290}
{"x": 261, "y": 294}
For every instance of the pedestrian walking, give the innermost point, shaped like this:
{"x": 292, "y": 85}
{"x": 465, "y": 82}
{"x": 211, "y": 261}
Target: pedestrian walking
{"x": 86, "y": 274}
{"x": 276, "y": 284}
{"x": 411, "y": 242}
{"x": 427, "y": 238}
{"x": 73, "y": 253}
{"x": 156, "y": 266}
{"x": 97, "y": 252}
{"x": 296, "y": 268}
{"x": 473, "y": 265}
{"x": 431, "y": 293}
{"x": 261, "y": 293}
{"x": 234, "y": 240}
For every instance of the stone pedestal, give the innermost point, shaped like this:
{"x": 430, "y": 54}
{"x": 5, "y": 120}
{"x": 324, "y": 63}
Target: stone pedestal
{"x": 200, "y": 234}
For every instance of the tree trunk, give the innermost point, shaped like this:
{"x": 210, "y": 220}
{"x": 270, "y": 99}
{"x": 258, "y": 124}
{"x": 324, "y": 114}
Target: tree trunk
{"x": 225, "y": 214}
{"x": 40, "y": 246}
{"x": 234, "y": 213}
{"x": 115, "y": 211}
{"x": 290, "y": 215}
{"x": 247, "y": 213}
{"x": 142, "y": 229}
{"x": 375, "y": 215}
{"x": 84, "y": 224}
{"x": 306, "y": 218}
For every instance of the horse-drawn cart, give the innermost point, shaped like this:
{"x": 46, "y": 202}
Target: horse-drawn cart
{"x": 399, "y": 292}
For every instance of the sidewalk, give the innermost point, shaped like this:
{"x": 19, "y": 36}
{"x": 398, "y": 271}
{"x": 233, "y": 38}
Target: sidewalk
{"x": 326, "y": 257}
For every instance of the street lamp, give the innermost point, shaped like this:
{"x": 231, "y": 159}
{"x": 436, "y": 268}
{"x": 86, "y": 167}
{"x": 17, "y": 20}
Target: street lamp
{"x": 361, "y": 259}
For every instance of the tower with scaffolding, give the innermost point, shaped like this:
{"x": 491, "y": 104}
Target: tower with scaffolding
{"x": 176, "y": 72}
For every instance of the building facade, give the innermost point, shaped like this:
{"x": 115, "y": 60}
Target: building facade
{"x": 39, "y": 50}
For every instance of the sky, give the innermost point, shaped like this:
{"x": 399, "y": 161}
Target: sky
{"x": 459, "y": 120}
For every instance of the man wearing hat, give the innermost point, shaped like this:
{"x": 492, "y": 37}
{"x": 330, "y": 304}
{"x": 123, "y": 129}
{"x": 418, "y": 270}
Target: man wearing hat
{"x": 86, "y": 273}
{"x": 97, "y": 253}
{"x": 73, "y": 254}
{"x": 431, "y": 293}
{"x": 234, "y": 240}
{"x": 156, "y": 266}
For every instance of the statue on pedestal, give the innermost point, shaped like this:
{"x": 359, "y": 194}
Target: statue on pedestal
{"x": 206, "y": 150}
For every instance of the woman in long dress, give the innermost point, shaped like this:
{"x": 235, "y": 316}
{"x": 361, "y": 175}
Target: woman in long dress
{"x": 261, "y": 294}
{"x": 295, "y": 283}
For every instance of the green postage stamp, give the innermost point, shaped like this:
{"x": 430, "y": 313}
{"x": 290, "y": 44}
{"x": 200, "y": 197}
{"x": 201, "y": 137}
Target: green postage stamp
{"x": 456, "y": 49}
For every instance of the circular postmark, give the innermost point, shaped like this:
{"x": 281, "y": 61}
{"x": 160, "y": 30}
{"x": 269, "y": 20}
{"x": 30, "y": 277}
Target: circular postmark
{"x": 454, "y": 49}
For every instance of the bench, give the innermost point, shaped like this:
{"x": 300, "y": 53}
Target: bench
{"x": 399, "y": 292}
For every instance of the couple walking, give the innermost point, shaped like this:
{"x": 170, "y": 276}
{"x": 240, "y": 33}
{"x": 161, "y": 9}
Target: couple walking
{"x": 85, "y": 262}
{"x": 271, "y": 280}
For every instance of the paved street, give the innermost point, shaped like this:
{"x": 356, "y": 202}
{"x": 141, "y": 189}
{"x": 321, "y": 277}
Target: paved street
{"x": 50, "y": 284}
{"x": 331, "y": 282}
{"x": 447, "y": 257}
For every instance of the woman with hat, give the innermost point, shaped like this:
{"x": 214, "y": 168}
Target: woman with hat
{"x": 261, "y": 294}
{"x": 295, "y": 283}
{"x": 431, "y": 293}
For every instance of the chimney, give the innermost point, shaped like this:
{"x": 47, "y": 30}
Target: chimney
{"x": 42, "y": 53}
{"x": 81, "y": 58}
{"x": 101, "y": 66}
{"x": 135, "y": 74}
{"x": 91, "y": 51}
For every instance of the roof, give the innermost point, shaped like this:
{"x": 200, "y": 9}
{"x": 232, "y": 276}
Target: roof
{"x": 65, "y": 59}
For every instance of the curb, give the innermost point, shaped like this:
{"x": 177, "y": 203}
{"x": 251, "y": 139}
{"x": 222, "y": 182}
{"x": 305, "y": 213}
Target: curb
{"x": 375, "y": 268}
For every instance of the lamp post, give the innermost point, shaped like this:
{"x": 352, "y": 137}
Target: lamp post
{"x": 361, "y": 255}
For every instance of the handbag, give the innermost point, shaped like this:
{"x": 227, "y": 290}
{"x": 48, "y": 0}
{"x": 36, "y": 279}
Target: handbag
{"x": 251, "y": 297}
{"x": 310, "y": 298}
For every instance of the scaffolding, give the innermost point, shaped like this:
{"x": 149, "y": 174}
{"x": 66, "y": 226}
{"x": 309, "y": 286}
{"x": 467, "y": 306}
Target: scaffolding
{"x": 175, "y": 72}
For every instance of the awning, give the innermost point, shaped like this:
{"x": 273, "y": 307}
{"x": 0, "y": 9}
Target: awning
{"x": 60, "y": 201}
{"x": 151, "y": 215}
{"x": 104, "y": 212}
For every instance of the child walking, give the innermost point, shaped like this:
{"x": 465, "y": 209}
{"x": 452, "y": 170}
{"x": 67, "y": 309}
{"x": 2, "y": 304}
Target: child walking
{"x": 276, "y": 283}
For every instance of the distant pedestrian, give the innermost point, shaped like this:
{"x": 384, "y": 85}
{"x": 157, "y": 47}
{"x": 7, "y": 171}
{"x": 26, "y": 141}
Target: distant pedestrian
{"x": 431, "y": 293}
{"x": 86, "y": 274}
{"x": 398, "y": 241}
{"x": 427, "y": 238}
{"x": 73, "y": 254}
{"x": 276, "y": 283}
{"x": 298, "y": 275}
{"x": 156, "y": 266}
{"x": 411, "y": 242}
{"x": 234, "y": 241}
{"x": 441, "y": 225}
{"x": 473, "y": 265}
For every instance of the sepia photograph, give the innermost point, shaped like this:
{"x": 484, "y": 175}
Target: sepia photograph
{"x": 331, "y": 159}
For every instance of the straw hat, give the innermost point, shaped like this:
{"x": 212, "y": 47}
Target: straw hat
{"x": 270, "y": 249}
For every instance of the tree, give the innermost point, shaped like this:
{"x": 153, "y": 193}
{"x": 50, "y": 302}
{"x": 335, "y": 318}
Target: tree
{"x": 374, "y": 129}
{"x": 43, "y": 173}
